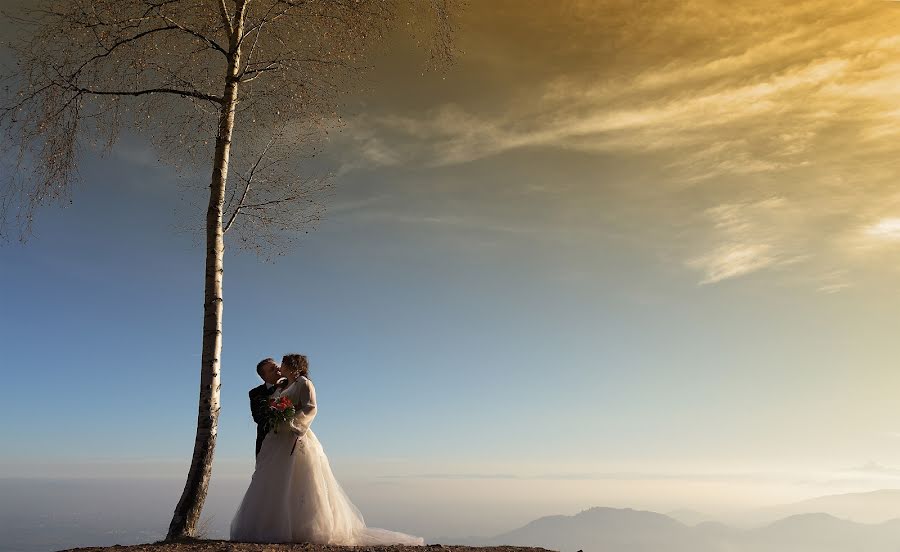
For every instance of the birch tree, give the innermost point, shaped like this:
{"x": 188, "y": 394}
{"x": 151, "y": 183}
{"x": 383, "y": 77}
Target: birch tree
{"x": 202, "y": 79}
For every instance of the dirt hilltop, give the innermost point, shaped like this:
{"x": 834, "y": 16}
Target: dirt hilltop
{"x": 227, "y": 546}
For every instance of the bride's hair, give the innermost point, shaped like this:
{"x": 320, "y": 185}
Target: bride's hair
{"x": 296, "y": 363}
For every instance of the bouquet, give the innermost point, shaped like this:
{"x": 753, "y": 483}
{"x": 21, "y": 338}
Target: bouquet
{"x": 280, "y": 411}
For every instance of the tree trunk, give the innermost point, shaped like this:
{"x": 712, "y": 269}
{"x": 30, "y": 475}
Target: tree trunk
{"x": 187, "y": 512}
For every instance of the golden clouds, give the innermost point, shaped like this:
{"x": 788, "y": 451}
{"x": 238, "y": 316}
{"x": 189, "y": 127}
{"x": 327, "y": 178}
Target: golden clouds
{"x": 735, "y": 103}
{"x": 885, "y": 229}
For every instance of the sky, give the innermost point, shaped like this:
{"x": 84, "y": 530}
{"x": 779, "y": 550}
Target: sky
{"x": 617, "y": 254}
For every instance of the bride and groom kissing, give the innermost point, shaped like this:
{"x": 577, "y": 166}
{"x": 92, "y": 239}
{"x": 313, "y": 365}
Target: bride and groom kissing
{"x": 293, "y": 495}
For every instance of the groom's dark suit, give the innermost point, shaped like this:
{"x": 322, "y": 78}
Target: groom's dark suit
{"x": 258, "y": 405}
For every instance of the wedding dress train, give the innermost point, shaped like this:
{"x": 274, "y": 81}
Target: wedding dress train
{"x": 296, "y": 498}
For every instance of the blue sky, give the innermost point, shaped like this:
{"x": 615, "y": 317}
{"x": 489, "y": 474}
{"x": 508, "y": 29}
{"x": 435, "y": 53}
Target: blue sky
{"x": 422, "y": 338}
{"x": 555, "y": 284}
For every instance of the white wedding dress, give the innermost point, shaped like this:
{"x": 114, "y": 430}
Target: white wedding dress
{"x": 295, "y": 498}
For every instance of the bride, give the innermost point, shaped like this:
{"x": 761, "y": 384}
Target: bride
{"x": 293, "y": 496}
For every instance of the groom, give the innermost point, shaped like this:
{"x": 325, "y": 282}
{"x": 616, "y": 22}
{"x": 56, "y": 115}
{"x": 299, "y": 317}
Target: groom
{"x": 270, "y": 372}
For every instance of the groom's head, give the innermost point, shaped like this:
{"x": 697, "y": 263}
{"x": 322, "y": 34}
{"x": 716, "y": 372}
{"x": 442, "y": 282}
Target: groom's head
{"x": 268, "y": 370}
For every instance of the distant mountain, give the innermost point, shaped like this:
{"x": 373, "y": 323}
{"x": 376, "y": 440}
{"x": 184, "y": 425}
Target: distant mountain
{"x": 871, "y": 507}
{"x": 627, "y": 530}
{"x": 690, "y": 517}
{"x": 824, "y": 533}
{"x": 597, "y": 529}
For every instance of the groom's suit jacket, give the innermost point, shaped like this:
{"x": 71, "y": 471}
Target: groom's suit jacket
{"x": 258, "y": 405}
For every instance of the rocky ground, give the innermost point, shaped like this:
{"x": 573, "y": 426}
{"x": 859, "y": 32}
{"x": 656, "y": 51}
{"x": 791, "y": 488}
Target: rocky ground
{"x": 227, "y": 546}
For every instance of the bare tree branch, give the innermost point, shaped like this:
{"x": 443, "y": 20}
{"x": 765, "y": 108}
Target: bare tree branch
{"x": 183, "y": 93}
{"x": 196, "y": 34}
{"x": 248, "y": 180}
{"x": 226, "y": 19}
{"x": 108, "y": 50}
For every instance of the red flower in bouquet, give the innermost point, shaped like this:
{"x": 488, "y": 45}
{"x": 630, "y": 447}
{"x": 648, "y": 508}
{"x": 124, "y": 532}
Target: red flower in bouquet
{"x": 281, "y": 410}
{"x": 281, "y": 404}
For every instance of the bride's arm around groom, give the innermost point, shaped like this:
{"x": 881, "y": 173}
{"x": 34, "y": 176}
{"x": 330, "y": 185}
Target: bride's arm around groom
{"x": 303, "y": 394}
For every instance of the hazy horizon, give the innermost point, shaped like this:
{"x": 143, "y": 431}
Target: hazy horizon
{"x": 44, "y": 514}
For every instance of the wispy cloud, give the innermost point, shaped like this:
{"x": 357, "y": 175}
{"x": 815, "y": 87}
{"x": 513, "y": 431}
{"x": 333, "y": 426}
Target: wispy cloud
{"x": 744, "y": 238}
{"x": 874, "y": 468}
{"x": 885, "y": 229}
{"x": 579, "y": 121}
{"x": 759, "y": 106}
{"x": 732, "y": 261}
{"x": 834, "y": 282}
{"x": 797, "y": 104}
